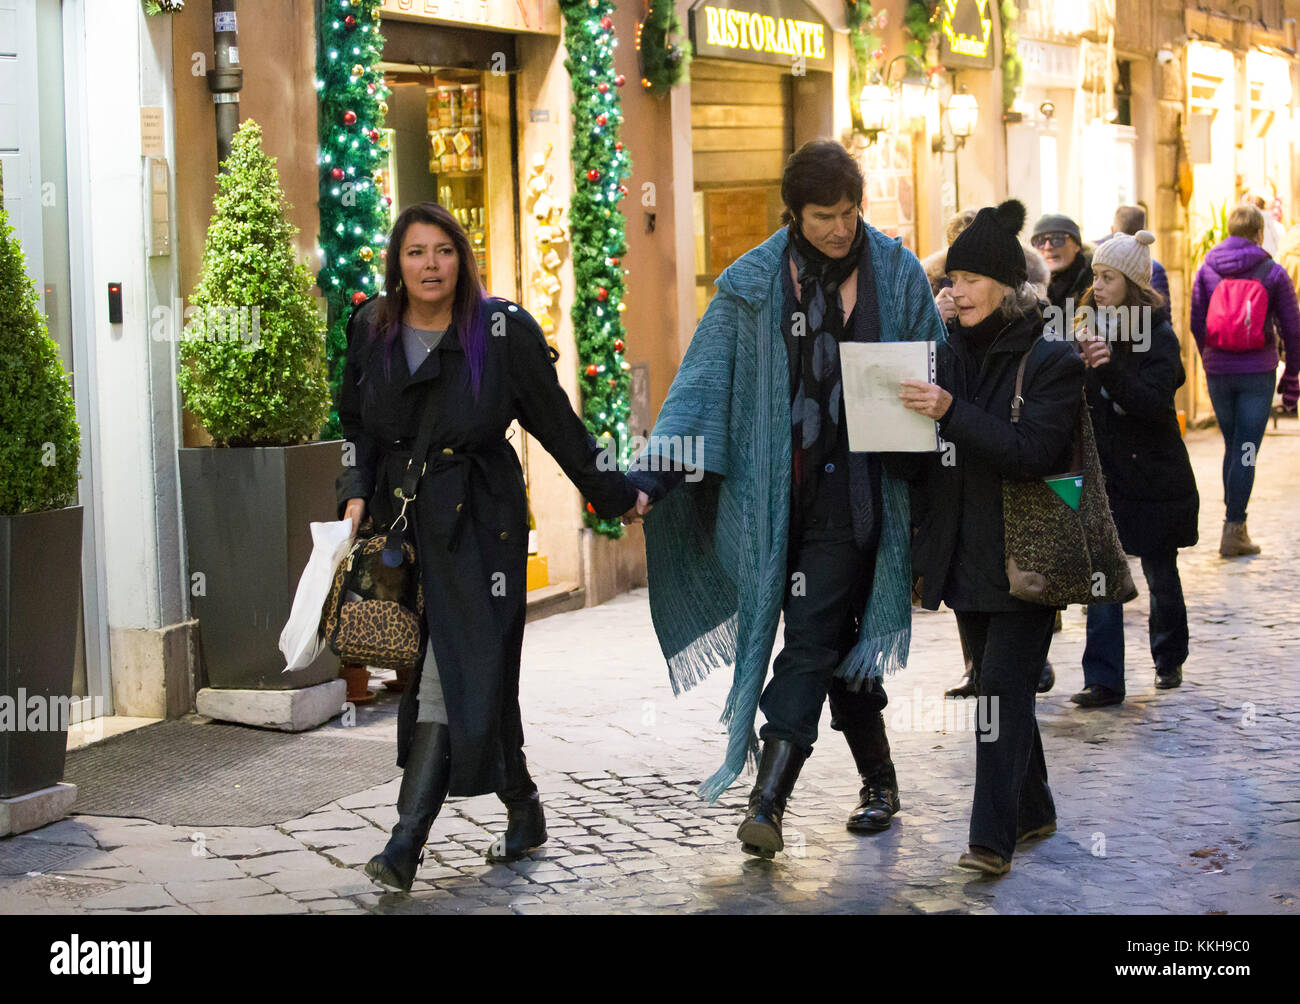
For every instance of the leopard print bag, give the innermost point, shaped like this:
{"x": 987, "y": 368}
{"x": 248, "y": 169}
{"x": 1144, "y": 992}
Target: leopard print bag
{"x": 374, "y": 614}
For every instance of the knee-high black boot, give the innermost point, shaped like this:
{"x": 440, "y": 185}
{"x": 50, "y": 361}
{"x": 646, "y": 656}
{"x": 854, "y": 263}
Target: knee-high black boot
{"x": 424, "y": 788}
{"x": 878, "y": 800}
{"x": 778, "y": 769}
{"x": 525, "y": 821}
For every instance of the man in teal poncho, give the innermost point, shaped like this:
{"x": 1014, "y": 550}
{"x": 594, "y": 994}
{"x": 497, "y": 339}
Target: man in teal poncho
{"x": 761, "y": 507}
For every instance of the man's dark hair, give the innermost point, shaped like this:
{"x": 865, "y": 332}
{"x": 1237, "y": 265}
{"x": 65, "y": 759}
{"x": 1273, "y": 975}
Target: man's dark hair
{"x": 1130, "y": 219}
{"x": 821, "y": 172}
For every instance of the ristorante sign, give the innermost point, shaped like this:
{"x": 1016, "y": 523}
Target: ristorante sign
{"x": 966, "y": 33}
{"x": 776, "y": 32}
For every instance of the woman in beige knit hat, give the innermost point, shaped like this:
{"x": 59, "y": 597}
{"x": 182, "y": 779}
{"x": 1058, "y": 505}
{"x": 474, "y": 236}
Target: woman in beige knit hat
{"x": 1134, "y": 367}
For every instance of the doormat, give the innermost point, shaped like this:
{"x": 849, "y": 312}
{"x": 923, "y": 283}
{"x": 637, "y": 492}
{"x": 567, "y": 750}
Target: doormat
{"x": 199, "y": 773}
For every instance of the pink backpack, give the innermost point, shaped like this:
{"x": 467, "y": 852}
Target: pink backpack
{"x": 1234, "y": 321}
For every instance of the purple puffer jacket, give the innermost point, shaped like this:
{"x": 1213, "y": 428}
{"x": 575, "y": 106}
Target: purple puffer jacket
{"x": 1238, "y": 256}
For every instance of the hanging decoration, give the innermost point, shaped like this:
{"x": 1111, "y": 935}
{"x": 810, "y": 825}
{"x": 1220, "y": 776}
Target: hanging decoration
{"x": 549, "y": 239}
{"x": 152, "y": 7}
{"x": 921, "y": 21}
{"x": 665, "y": 53}
{"x": 867, "y": 54}
{"x": 600, "y": 164}
{"x": 1013, "y": 71}
{"x": 354, "y": 217}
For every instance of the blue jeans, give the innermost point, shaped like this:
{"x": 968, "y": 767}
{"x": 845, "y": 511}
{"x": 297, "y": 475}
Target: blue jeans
{"x": 1103, "y": 653}
{"x": 1242, "y": 402}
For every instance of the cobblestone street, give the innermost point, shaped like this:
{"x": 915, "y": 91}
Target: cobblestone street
{"x": 1183, "y": 801}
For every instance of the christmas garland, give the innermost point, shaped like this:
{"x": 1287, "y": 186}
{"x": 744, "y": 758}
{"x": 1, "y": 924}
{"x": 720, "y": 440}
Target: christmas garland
{"x": 353, "y": 213}
{"x": 921, "y": 21}
{"x": 152, "y": 7}
{"x": 863, "y": 24}
{"x": 1013, "y": 71}
{"x": 665, "y": 56}
{"x": 600, "y": 165}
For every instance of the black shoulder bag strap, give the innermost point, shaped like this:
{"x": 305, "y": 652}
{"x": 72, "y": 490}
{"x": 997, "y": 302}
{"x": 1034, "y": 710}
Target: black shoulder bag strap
{"x": 1018, "y": 400}
{"x": 415, "y": 468}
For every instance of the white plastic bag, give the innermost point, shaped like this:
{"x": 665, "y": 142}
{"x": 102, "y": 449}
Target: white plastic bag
{"x": 301, "y": 641}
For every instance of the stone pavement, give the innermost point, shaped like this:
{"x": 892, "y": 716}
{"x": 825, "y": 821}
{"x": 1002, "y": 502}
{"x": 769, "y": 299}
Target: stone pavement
{"x": 1183, "y": 801}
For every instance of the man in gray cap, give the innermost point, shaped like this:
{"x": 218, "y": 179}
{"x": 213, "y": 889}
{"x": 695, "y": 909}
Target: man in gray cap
{"x": 1057, "y": 239}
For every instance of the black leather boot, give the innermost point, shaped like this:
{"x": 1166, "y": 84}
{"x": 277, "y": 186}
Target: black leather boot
{"x": 424, "y": 788}
{"x": 778, "y": 769}
{"x": 525, "y": 821}
{"x": 878, "y": 799}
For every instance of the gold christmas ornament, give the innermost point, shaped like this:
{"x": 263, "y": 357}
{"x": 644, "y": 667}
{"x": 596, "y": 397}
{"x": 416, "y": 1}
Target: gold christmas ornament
{"x": 366, "y": 254}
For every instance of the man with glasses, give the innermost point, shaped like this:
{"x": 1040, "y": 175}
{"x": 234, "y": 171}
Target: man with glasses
{"x": 1057, "y": 239}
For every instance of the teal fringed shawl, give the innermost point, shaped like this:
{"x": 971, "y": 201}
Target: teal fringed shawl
{"x": 716, "y": 547}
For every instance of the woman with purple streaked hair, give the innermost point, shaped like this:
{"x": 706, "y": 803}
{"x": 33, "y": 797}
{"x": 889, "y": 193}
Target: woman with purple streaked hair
{"x": 435, "y": 344}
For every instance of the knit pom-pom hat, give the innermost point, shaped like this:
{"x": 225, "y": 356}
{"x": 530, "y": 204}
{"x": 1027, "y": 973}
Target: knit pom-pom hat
{"x": 1129, "y": 255}
{"x": 989, "y": 246}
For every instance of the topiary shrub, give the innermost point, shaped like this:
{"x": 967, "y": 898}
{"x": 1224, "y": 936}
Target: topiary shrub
{"x": 253, "y": 351}
{"x": 40, "y": 443}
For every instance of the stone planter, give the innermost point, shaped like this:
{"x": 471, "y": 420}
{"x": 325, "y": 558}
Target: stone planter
{"x": 40, "y": 596}
{"x": 247, "y": 516}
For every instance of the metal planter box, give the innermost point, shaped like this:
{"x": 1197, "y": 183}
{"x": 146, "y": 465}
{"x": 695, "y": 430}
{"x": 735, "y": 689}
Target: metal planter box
{"x": 40, "y": 597}
{"x": 247, "y": 516}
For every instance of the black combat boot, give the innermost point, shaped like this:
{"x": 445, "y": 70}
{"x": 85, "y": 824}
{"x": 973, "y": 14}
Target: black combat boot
{"x": 424, "y": 787}
{"x": 778, "y": 769}
{"x": 878, "y": 800}
{"x": 525, "y": 821}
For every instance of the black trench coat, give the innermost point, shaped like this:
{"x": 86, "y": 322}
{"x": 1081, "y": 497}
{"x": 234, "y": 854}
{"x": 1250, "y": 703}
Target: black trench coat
{"x": 960, "y": 545}
{"x": 470, "y": 525}
{"x": 1149, "y": 477}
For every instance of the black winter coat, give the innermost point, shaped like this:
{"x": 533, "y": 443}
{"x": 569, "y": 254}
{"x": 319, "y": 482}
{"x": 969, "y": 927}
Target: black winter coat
{"x": 959, "y": 547}
{"x": 474, "y": 579}
{"x": 1149, "y": 477}
{"x": 1071, "y": 283}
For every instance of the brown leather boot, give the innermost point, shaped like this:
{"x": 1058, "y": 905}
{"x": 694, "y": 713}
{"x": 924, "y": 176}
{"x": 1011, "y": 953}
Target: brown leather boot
{"x": 1236, "y": 541}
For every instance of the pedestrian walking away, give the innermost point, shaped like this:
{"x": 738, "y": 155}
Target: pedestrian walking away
{"x": 784, "y": 517}
{"x": 422, "y": 351}
{"x": 1243, "y": 303}
{"x": 1131, "y": 383}
{"x": 959, "y": 548}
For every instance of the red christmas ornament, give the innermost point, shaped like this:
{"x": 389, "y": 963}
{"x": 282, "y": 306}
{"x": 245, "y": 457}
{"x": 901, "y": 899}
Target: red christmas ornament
{"x": 388, "y": 201}
{"x": 337, "y": 174}
{"x": 370, "y": 88}
{"x": 602, "y": 87}
{"x": 591, "y": 370}
{"x": 613, "y": 261}
{"x": 602, "y": 118}
{"x": 606, "y": 23}
{"x": 602, "y": 294}
{"x": 620, "y": 80}
{"x": 622, "y": 189}
{"x": 613, "y": 382}
{"x": 618, "y": 345}
{"x": 358, "y": 298}
{"x": 591, "y": 508}
{"x": 593, "y": 175}
{"x": 349, "y": 117}
{"x": 374, "y": 135}
{"x": 350, "y": 21}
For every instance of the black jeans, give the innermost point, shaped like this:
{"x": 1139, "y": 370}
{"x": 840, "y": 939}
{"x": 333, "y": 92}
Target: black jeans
{"x": 1103, "y": 655}
{"x": 1011, "y": 792}
{"x": 829, "y": 581}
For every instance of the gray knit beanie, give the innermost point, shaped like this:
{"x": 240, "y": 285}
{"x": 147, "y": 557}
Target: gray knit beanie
{"x": 1130, "y": 255}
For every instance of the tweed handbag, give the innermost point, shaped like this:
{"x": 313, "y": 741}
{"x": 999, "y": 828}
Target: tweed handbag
{"x": 1057, "y": 554}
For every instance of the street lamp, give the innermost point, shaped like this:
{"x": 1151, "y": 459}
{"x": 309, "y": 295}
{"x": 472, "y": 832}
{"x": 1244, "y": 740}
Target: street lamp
{"x": 876, "y": 103}
{"x": 963, "y": 111}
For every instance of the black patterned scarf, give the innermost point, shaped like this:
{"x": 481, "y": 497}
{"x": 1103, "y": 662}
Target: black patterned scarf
{"x": 815, "y": 366}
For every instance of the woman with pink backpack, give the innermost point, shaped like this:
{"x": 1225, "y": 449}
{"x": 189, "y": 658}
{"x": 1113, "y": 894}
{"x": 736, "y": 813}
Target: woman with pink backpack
{"x": 1242, "y": 303}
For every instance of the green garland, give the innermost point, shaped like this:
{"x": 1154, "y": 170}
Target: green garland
{"x": 600, "y": 165}
{"x": 921, "y": 21}
{"x": 1013, "y": 71}
{"x": 663, "y": 62}
{"x": 865, "y": 46}
{"x": 354, "y": 218}
{"x": 155, "y": 7}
